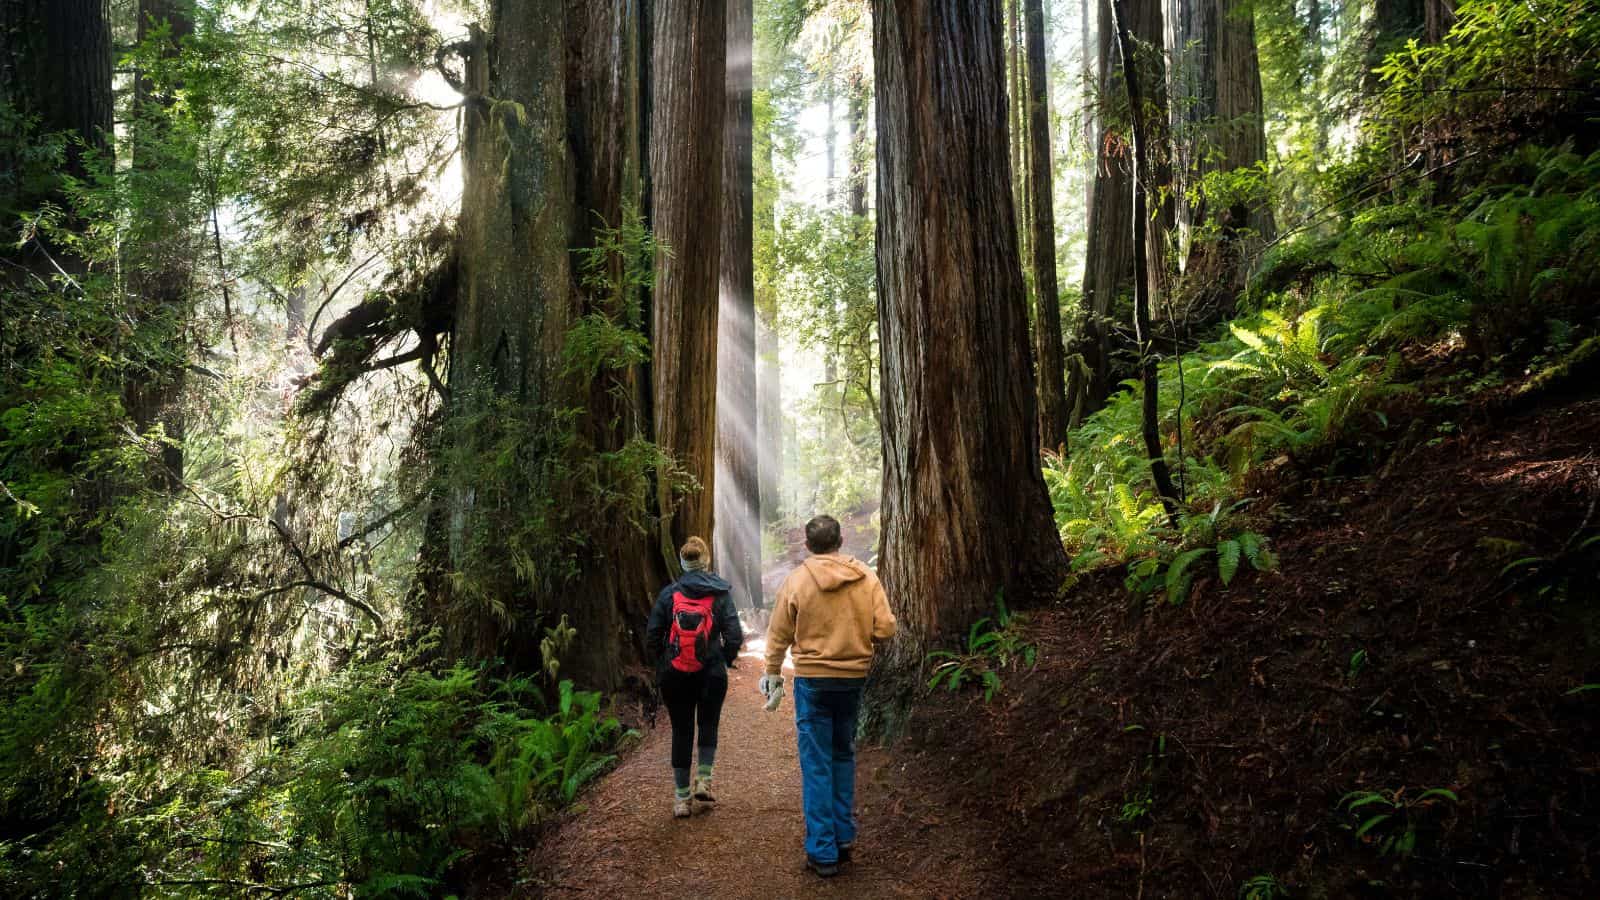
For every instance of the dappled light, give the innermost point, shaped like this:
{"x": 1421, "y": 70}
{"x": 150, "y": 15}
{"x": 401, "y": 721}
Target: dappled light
{"x": 785, "y": 448}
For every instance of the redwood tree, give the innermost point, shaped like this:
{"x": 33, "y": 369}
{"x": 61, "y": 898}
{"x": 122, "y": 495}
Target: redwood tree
{"x": 55, "y": 68}
{"x": 1047, "y": 297}
{"x": 965, "y": 513}
{"x": 161, "y": 249}
{"x": 1109, "y": 263}
{"x": 543, "y": 496}
{"x": 687, "y": 107}
{"x": 1229, "y": 135}
{"x": 738, "y": 515}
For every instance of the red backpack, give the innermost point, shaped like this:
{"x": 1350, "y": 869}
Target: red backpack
{"x": 691, "y": 631}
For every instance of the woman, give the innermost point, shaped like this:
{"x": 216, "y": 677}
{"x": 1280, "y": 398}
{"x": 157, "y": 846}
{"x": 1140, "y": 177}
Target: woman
{"x": 694, "y": 635}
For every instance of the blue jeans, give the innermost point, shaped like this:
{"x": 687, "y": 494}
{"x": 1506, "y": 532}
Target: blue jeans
{"x": 825, "y": 712}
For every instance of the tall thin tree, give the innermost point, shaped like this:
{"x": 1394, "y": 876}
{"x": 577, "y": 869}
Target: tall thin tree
{"x": 1047, "y": 297}
{"x": 738, "y": 500}
{"x": 1141, "y": 274}
{"x": 688, "y": 40}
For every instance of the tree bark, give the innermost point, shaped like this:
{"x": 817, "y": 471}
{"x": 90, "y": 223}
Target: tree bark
{"x": 769, "y": 394}
{"x": 1141, "y": 274}
{"x": 738, "y": 514}
{"x": 55, "y": 67}
{"x": 1047, "y": 297}
{"x": 163, "y": 245}
{"x": 1109, "y": 261}
{"x": 687, "y": 105}
{"x": 619, "y": 580}
{"x": 511, "y": 317}
{"x": 536, "y": 450}
{"x": 965, "y": 513}
{"x": 1228, "y": 134}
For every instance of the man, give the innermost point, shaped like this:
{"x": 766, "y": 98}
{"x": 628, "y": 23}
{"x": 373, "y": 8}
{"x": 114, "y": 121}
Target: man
{"x": 830, "y": 612}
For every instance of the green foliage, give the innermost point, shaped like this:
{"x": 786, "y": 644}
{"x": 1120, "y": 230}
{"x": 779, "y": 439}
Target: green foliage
{"x": 1545, "y": 53}
{"x": 1358, "y": 663}
{"x": 1137, "y": 805}
{"x": 1389, "y": 820}
{"x": 992, "y": 645}
{"x": 1262, "y": 887}
{"x": 387, "y": 778}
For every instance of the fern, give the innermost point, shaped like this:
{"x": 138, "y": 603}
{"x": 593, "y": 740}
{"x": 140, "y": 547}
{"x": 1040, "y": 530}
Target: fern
{"x": 1228, "y": 552}
{"x": 1179, "y": 579}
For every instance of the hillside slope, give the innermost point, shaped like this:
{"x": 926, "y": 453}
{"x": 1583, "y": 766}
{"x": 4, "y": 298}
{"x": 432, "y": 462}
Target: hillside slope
{"x": 1208, "y": 749}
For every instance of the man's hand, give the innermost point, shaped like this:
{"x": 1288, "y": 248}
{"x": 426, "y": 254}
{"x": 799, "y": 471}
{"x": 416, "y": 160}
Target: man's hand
{"x": 772, "y": 688}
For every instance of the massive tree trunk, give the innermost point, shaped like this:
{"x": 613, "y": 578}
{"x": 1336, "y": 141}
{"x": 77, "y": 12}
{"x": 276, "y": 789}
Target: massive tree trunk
{"x": 1047, "y": 297}
{"x": 965, "y": 513}
{"x": 55, "y": 68}
{"x": 1228, "y": 134}
{"x": 687, "y": 105}
{"x": 162, "y": 245}
{"x": 537, "y": 446}
{"x": 1109, "y": 262}
{"x": 738, "y": 514}
{"x": 619, "y": 580}
{"x": 511, "y": 319}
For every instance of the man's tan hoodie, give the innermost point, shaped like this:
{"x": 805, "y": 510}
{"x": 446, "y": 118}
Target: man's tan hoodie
{"x": 829, "y": 611}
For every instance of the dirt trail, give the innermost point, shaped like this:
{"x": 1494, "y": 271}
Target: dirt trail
{"x": 623, "y": 841}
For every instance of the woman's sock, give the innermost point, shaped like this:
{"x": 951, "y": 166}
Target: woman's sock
{"x": 708, "y": 759}
{"x": 680, "y": 783}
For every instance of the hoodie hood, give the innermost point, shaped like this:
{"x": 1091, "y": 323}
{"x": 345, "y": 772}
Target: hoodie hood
{"x": 834, "y": 570}
{"x": 702, "y": 584}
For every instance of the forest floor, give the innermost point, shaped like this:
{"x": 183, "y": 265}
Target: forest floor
{"x": 1191, "y": 751}
{"x": 623, "y": 841}
{"x": 1161, "y": 751}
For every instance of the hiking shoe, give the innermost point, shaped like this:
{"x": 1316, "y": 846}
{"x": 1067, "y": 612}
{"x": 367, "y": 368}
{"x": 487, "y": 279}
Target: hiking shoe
{"x": 844, "y": 852}
{"x": 680, "y": 808}
{"x": 702, "y": 791}
{"x": 823, "y": 870}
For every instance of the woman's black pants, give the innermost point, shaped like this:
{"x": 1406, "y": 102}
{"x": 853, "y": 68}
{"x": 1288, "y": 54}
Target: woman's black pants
{"x": 693, "y": 699}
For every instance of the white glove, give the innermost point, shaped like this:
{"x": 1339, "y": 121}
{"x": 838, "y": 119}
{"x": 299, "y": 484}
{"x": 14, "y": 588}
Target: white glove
{"x": 772, "y": 689}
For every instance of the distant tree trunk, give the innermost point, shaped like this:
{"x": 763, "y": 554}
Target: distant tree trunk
{"x": 1109, "y": 261}
{"x": 1016, "y": 111}
{"x": 1228, "y": 134}
{"x": 1088, "y": 92}
{"x": 163, "y": 248}
{"x": 687, "y": 105}
{"x": 965, "y": 513}
{"x": 1393, "y": 22}
{"x": 1437, "y": 18}
{"x": 1047, "y": 297}
{"x": 738, "y": 538}
{"x": 55, "y": 67}
{"x": 856, "y": 121}
{"x": 1141, "y": 273}
{"x": 769, "y": 394}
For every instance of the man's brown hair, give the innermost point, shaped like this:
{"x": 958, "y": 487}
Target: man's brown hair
{"x": 822, "y": 535}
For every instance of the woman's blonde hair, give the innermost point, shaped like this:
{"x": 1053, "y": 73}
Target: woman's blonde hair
{"x": 694, "y": 549}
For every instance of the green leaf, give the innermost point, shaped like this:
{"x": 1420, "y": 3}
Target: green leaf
{"x": 1439, "y": 792}
{"x": 1372, "y": 823}
{"x": 1228, "y": 560}
{"x": 1525, "y": 561}
{"x": 1178, "y": 579}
